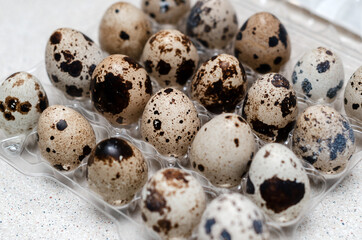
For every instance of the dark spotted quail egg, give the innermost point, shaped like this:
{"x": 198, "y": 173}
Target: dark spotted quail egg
{"x": 116, "y": 170}
{"x": 120, "y": 89}
{"x": 319, "y": 75}
{"x": 263, "y": 43}
{"x": 70, "y": 59}
{"x": 219, "y": 84}
{"x": 172, "y": 203}
{"x": 124, "y": 29}
{"x": 278, "y": 183}
{"x": 222, "y": 150}
{"x": 65, "y": 137}
{"x": 232, "y": 216}
{"x": 353, "y": 95}
{"x": 170, "y": 122}
{"x": 324, "y": 138}
{"x": 166, "y": 11}
{"x": 22, "y": 100}
{"x": 270, "y": 107}
{"x": 170, "y": 57}
{"x": 212, "y": 22}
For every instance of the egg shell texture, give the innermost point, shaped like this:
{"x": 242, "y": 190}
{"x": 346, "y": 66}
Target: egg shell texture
{"x": 166, "y": 11}
{"x": 319, "y": 75}
{"x": 222, "y": 150}
{"x": 324, "y": 138}
{"x": 124, "y": 29}
{"x": 353, "y": 95}
{"x": 172, "y": 203}
{"x": 65, "y": 137}
{"x": 232, "y": 216}
{"x": 170, "y": 122}
{"x": 70, "y": 60}
{"x": 212, "y": 22}
{"x": 263, "y": 43}
{"x": 270, "y": 107}
{"x": 120, "y": 89}
{"x": 22, "y": 100}
{"x": 170, "y": 57}
{"x": 219, "y": 84}
{"x": 278, "y": 183}
{"x": 116, "y": 170}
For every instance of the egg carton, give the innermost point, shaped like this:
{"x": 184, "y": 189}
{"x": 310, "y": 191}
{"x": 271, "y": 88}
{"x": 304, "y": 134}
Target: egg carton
{"x": 306, "y": 32}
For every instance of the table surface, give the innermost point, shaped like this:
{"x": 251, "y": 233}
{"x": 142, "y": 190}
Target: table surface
{"x": 40, "y": 208}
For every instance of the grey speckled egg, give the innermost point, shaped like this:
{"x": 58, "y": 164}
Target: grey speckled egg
{"x": 170, "y": 122}
{"x": 270, "y": 107}
{"x": 172, "y": 203}
{"x": 166, "y": 11}
{"x": 278, "y": 183}
{"x": 222, "y": 150}
{"x": 22, "y": 100}
{"x": 212, "y": 22}
{"x": 120, "y": 89}
{"x": 65, "y": 137}
{"x": 219, "y": 84}
{"x": 116, "y": 170}
{"x": 70, "y": 59}
{"x": 263, "y": 43}
{"x": 232, "y": 216}
{"x": 124, "y": 29}
{"x": 170, "y": 57}
{"x": 324, "y": 138}
{"x": 319, "y": 75}
{"x": 353, "y": 95}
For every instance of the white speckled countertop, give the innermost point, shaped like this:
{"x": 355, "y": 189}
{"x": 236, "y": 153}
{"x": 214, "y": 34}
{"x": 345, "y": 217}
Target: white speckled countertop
{"x": 40, "y": 208}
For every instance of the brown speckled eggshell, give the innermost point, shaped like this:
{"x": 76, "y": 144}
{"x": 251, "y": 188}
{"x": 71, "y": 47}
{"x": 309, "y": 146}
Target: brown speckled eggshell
{"x": 324, "y": 138}
{"x": 353, "y": 95}
{"x": 22, "y": 100}
{"x": 270, "y": 107}
{"x": 120, "y": 89}
{"x": 166, "y": 11}
{"x": 116, "y": 170}
{"x": 170, "y": 122}
{"x": 124, "y": 29}
{"x": 212, "y": 22}
{"x": 170, "y": 57}
{"x": 172, "y": 203}
{"x": 65, "y": 137}
{"x": 70, "y": 59}
{"x": 219, "y": 84}
{"x": 263, "y": 43}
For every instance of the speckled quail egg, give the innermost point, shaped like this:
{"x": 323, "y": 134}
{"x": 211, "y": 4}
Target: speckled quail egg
{"x": 319, "y": 75}
{"x": 219, "y": 84}
{"x": 70, "y": 59}
{"x": 172, "y": 203}
{"x": 270, "y": 107}
{"x": 170, "y": 122}
{"x": 324, "y": 138}
{"x": 124, "y": 29}
{"x": 65, "y": 137}
{"x": 353, "y": 95}
{"x": 222, "y": 150}
{"x": 170, "y": 57}
{"x": 166, "y": 11}
{"x": 212, "y": 22}
{"x": 263, "y": 43}
{"x": 232, "y": 216}
{"x": 278, "y": 183}
{"x": 116, "y": 170}
{"x": 120, "y": 89}
{"x": 22, "y": 100}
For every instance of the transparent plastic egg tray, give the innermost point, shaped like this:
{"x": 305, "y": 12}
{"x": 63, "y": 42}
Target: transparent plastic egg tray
{"x": 305, "y": 31}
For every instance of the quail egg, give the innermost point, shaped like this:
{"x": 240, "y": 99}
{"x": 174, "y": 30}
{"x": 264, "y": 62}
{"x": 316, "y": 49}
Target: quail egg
{"x": 166, "y": 11}
{"x": 172, "y": 203}
{"x": 353, "y": 95}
